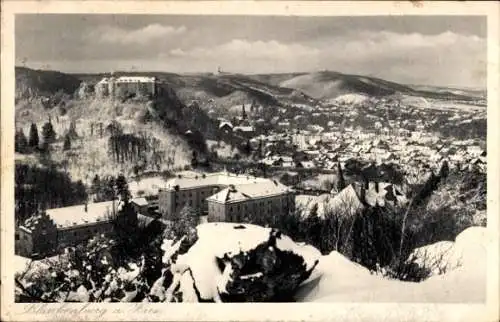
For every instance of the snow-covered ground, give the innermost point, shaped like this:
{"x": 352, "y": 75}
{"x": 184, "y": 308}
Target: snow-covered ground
{"x": 440, "y": 104}
{"x": 351, "y": 98}
{"x": 336, "y": 279}
{"x": 217, "y": 239}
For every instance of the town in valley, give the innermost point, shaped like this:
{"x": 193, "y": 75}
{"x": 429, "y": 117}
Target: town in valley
{"x": 134, "y": 185}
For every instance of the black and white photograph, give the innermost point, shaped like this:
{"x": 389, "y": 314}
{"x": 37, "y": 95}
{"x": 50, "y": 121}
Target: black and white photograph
{"x": 250, "y": 158}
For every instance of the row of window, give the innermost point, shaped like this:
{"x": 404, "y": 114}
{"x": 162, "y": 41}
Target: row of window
{"x": 80, "y": 232}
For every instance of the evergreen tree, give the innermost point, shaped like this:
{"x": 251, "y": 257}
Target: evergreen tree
{"x": 20, "y": 142}
{"x": 121, "y": 187}
{"x": 194, "y": 159}
{"x": 314, "y": 211}
{"x": 72, "y": 130}
{"x": 184, "y": 221}
{"x": 243, "y": 112}
{"x": 96, "y": 185}
{"x": 48, "y": 133}
{"x": 114, "y": 128}
{"x": 252, "y": 106}
{"x": 33, "y": 140}
{"x": 67, "y": 143}
{"x": 126, "y": 226}
{"x": 247, "y": 149}
{"x": 445, "y": 170}
{"x": 341, "y": 181}
{"x": 103, "y": 188}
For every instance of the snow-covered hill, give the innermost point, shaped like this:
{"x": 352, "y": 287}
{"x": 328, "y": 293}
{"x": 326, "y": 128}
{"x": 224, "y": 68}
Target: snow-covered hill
{"x": 336, "y": 279}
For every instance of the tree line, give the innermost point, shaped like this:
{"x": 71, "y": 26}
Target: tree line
{"x": 40, "y": 142}
{"x": 44, "y": 188}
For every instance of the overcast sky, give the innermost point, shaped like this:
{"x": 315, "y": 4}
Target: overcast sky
{"x": 435, "y": 50}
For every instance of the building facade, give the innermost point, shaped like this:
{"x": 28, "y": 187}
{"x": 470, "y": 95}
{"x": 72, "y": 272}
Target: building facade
{"x": 250, "y": 202}
{"x": 50, "y": 231}
{"x": 127, "y": 85}
{"x": 225, "y": 197}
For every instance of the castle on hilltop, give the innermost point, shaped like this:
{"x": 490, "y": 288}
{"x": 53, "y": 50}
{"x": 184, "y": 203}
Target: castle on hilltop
{"x": 124, "y": 86}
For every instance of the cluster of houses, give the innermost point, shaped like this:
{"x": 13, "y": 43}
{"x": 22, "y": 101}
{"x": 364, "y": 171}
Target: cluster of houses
{"x": 407, "y": 142}
{"x": 392, "y": 130}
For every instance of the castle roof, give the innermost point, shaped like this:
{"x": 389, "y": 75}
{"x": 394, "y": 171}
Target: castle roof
{"x": 128, "y": 79}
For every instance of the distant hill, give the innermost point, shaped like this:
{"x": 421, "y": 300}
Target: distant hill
{"x": 225, "y": 91}
{"x": 451, "y": 90}
{"x": 235, "y": 89}
{"x": 31, "y": 82}
{"x": 329, "y": 85}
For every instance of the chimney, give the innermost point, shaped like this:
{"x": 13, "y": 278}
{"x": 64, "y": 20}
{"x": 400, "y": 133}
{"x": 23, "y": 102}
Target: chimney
{"x": 85, "y": 207}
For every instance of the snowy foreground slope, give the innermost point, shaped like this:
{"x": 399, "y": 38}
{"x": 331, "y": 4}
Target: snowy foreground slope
{"x": 336, "y": 279}
{"x": 229, "y": 262}
{"x": 239, "y": 262}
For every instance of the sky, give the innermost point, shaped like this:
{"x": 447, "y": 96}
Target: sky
{"x": 426, "y": 50}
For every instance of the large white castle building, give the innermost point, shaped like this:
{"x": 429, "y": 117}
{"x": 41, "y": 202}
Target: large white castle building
{"x": 127, "y": 85}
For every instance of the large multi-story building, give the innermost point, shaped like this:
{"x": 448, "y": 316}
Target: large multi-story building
{"x": 54, "y": 229}
{"x": 225, "y": 197}
{"x": 127, "y": 85}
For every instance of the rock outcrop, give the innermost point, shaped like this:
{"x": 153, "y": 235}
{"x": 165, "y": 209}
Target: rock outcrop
{"x": 237, "y": 263}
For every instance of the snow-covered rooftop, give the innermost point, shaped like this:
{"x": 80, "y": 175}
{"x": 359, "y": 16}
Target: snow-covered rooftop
{"x": 249, "y": 191}
{"x": 346, "y": 201}
{"x": 146, "y": 187}
{"x": 128, "y": 79}
{"x": 212, "y": 179}
{"x": 76, "y": 215}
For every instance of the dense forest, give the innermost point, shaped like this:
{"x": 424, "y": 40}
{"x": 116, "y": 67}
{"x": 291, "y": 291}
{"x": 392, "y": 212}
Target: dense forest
{"x": 43, "y": 187}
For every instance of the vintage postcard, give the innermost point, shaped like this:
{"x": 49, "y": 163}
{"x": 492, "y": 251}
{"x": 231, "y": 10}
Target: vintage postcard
{"x": 319, "y": 160}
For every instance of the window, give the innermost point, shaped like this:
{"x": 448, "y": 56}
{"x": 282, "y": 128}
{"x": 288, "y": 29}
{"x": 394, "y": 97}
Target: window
{"x": 17, "y": 236}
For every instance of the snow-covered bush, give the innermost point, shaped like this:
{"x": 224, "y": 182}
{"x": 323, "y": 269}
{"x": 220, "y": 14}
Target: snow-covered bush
{"x": 236, "y": 263}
